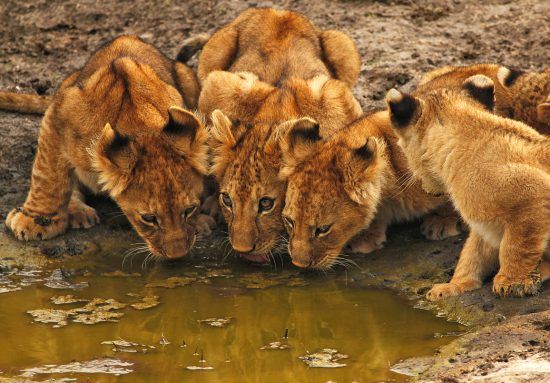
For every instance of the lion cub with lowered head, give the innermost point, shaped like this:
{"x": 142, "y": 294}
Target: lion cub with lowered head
{"x": 523, "y": 96}
{"x": 264, "y": 72}
{"x": 348, "y": 189}
{"x": 497, "y": 173}
{"x": 117, "y": 125}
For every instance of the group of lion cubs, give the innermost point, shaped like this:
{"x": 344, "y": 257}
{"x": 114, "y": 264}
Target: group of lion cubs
{"x": 289, "y": 147}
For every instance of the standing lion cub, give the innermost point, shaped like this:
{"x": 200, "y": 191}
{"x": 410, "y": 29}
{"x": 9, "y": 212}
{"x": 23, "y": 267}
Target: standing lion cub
{"x": 118, "y": 125}
{"x": 497, "y": 173}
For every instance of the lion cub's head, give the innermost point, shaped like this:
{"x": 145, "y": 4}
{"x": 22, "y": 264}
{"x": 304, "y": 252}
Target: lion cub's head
{"x": 150, "y": 156}
{"x": 416, "y": 118}
{"x": 244, "y": 155}
{"x": 334, "y": 189}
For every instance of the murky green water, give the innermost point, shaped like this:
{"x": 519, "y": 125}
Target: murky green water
{"x": 373, "y": 328}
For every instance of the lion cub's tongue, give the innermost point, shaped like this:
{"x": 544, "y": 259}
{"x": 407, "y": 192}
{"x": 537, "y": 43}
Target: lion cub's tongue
{"x": 260, "y": 258}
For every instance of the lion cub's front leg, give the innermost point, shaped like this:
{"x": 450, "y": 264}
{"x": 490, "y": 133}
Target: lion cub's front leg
{"x": 45, "y": 212}
{"x": 521, "y": 252}
{"x": 477, "y": 259}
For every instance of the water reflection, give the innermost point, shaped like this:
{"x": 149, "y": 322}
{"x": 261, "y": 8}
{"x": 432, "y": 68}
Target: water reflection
{"x": 374, "y": 327}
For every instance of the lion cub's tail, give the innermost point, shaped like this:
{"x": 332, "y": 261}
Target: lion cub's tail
{"x": 24, "y": 103}
{"x": 191, "y": 46}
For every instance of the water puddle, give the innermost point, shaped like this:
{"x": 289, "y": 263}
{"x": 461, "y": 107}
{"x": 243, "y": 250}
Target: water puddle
{"x": 205, "y": 321}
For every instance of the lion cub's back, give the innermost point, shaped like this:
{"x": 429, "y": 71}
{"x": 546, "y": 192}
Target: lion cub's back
{"x": 131, "y": 47}
{"x": 277, "y": 45}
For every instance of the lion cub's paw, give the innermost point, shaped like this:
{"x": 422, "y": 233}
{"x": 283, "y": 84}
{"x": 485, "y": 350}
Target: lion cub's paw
{"x": 443, "y": 290}
{"x": 505, "y": 286}
{"x": 82, "y": 216}
{"x": 27, "y": 227}
{"x": 435, "y": 227}
{"x": 367, "y": 243}
{"x": 204, "y": 225}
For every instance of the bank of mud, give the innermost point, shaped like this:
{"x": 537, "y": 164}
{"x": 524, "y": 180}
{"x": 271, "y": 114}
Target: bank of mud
{"x": 398, "y": 40}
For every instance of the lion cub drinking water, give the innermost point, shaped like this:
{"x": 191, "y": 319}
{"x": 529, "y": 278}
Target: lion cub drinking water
{"x": 262, "y": 73}
{"x": 117, "y": 125}
{"x": 497, "y": 173}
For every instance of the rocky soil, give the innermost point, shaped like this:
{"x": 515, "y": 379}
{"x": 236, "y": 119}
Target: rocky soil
{"x": 43, "y": 41}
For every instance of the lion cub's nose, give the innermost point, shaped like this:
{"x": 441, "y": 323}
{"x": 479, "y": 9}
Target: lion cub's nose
{"x": 243, "y": 248}
{"x": 301, "y": 262}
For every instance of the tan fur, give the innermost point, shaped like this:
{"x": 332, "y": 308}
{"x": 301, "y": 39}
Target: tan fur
{"x": 24, "y": 103}
{"x": 356, "y": 183}
{"x": 277, "y": 45}
{"x": 525, "y": 99}
{"x": 117, "y": 125}
{"x": 260, "y": 71}
{"x": 497, "y": 173}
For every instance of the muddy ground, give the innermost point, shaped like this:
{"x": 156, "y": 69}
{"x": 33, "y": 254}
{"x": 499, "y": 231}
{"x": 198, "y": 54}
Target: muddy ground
{"x": 43, "y": 41}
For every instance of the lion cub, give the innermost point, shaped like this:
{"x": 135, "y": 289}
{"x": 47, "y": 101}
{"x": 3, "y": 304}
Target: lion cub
{"x": 118, "y": 125}
{"x": 523, "y": 96}
{"x": 497, "y": 173}
{"x": 348, "y": 189}
{"x": 263, "y": 72}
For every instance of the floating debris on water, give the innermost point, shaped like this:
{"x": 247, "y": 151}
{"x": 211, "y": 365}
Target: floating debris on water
{"x": 99, "y": 366}
{"x": 216, "y": 322}
{"x": 58, "y": 317}
{"x": 172, "y": 282}
{"x": 147, "y": 302}
{"x": 198, "y": 368}
{"x": 122, "y": 345}
{"x": 58, "y": 280}
{"x": 9, "y": 289}
{"x": 326, "y": 358}
{"x": 163, "y": 341}
{"x": 66, "y": 299}
{"x": 96, "y": 311}
{"x": 275, "y": 346}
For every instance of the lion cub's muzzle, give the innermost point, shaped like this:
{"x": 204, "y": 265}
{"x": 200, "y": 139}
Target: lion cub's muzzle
{"x": 174, "y": 245}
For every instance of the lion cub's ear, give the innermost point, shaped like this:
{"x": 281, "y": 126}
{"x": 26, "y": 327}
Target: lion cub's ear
{"x": 362, "y": 170}
{"x": 482, "y": 89}
{"x": 187, "y": 135}
{"x": 221, "y": 129}
{"x": 507, "y": 77}
{"x": 297, "y": 139}
{"x": 404, "y": 108}
{"x": 113, "y": 157}
{"x": 223, "y": 141}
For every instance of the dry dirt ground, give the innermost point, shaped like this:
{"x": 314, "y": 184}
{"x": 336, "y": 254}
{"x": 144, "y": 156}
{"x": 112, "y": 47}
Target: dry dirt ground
{"x": 42, "y": 41}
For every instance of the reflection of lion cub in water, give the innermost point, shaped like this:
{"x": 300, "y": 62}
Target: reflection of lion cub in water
{"x": 497, "y": 173}
{"x": 117, "y": 125}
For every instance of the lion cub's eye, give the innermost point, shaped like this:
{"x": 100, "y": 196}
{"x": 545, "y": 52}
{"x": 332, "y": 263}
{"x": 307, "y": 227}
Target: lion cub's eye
{"x": 149, "y": 219}
{"x": 189, "y": 211}
{"x": 226, "y": 200}
{"x": 322, "y": 230}
{"x": 289, "y": 223}
{"x": 266, "y": 204}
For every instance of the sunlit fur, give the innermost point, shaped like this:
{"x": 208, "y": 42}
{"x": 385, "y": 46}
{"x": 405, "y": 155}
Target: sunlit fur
{"x": 497, "y": 173}
{"x": 523, "y": 96}
{"x": 330, "y": 183}
{"x": 108, "y": 129}
{"x": 260, "y": 71}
